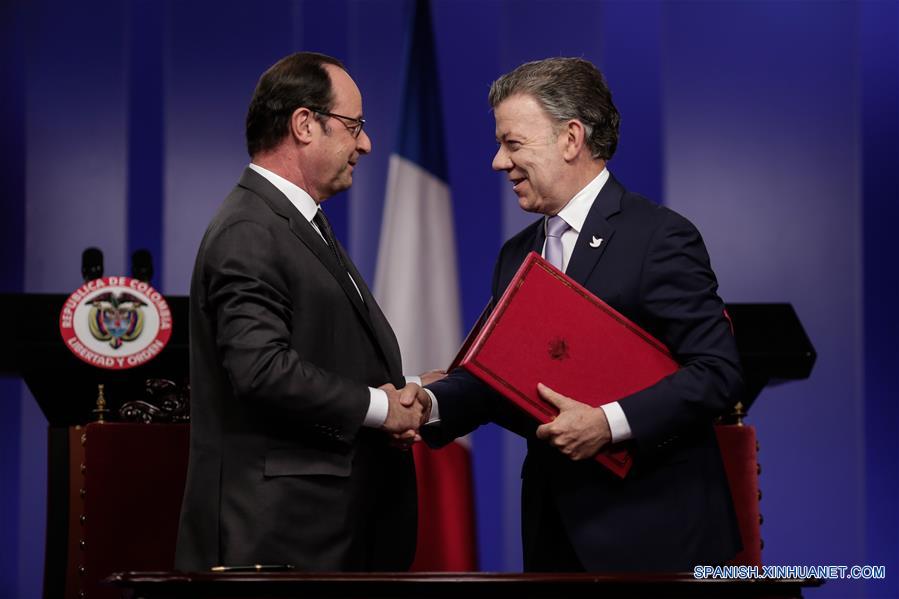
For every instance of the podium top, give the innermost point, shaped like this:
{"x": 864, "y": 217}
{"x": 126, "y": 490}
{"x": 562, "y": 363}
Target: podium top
{"x": 772, "y": 344}
{"x": 64, "y": 386}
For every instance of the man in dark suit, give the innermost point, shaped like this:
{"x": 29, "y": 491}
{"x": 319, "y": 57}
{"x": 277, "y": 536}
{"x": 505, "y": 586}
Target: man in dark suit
{"x": 294, "y": 369}
{"x": 556, "y": 127}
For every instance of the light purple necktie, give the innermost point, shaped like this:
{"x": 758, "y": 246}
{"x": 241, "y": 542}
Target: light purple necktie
{"x": 555, "y": 226}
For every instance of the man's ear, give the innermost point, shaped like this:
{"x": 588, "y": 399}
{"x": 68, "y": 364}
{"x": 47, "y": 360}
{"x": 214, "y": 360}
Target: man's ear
{"x": 301, "y": 123}
{"x": 575, "y": 139}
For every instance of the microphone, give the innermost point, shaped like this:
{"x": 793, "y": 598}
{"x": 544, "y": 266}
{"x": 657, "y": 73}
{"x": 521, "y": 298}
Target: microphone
{"x": 142, "y": 265}
{"x": 91, "y": 264}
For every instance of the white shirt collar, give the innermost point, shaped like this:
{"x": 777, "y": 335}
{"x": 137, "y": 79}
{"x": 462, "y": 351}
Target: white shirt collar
{"x": 575, "y": 211}
{"x": 297, "y": 196}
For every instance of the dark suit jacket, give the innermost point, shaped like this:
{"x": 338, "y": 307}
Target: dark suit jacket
{"x": 674, "y": 509}
{"x": 282, "y": 352}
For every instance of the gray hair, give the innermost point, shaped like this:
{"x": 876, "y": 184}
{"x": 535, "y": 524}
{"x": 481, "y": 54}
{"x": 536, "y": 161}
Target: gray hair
{"x": 567, "y": 89}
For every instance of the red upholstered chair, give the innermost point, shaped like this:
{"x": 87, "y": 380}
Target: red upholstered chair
{"x": 739, "y": 450}
{"x": 124, "y": 514}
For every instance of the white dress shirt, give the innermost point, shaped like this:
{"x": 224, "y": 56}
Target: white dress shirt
{"x": 303, "y": 202}
{"x": 575, "y": 213}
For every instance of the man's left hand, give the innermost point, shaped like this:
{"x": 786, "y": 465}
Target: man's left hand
{"x": 432, "y": 376}
{"x": 579, "y": 431}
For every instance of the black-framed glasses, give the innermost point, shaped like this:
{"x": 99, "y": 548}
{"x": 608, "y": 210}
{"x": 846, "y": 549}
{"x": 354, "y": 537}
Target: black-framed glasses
{"x": 355, "y": 128}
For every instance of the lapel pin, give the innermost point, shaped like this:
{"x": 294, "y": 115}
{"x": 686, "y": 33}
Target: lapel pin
{"x": 597, "y": 241}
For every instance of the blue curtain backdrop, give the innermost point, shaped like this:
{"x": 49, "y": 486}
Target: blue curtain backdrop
{"x": 774, "y": 126}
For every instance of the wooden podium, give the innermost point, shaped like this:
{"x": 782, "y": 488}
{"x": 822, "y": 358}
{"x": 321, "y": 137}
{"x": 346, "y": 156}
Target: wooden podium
{"x": 774, "y": 349}
{"x": 113, "y": 489}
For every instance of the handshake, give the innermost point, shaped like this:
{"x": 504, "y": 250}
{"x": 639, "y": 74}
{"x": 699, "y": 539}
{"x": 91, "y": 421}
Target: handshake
{"x": 408, "y": 409}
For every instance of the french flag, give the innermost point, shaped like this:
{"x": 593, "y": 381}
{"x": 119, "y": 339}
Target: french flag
{"x": 416, "y": 285}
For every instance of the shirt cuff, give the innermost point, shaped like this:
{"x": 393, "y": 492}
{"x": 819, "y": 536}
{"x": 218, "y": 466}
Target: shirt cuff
{"x": 618, "y": 425}
{"x": 377, "y": 408}
{"x": 413, "y": 380}
{"x": 435, "y": 412}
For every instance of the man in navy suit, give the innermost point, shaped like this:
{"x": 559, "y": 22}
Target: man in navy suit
{"x": 556, "y": 128}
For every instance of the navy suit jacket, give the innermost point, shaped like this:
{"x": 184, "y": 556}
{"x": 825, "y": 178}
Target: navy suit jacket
{"x": 674, "y": 509}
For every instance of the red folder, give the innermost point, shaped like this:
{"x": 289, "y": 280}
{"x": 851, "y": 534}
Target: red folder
{"x": 547, "y": 328}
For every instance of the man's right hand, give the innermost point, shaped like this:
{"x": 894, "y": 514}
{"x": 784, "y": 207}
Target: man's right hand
{"x": 405, "y": 412}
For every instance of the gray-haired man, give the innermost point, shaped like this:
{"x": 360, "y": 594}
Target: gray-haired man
{"x": 557, "y": 127}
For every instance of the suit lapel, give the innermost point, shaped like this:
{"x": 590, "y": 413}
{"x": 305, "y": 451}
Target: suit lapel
{"x": 596, "y": 233}
{"x": 303, "y": 230}
{"x": 387, "y": 342}
{"x": 539, "y": 238}
{"x": 532, "y": 241}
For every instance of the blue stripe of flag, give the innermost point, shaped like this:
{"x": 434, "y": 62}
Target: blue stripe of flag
{"x": 421, "y": 120}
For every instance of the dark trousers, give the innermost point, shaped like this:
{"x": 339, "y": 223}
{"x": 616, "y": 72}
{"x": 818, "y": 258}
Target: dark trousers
{"x": 547, "y": 547}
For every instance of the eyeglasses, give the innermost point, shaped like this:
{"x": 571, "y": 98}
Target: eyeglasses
{"x": 355, "y": 128}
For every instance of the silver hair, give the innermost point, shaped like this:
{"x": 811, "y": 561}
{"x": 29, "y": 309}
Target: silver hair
{"x": 567, "y": 89}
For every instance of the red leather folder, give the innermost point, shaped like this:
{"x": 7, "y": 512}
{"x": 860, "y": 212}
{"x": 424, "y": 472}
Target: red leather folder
{"x": 546, "y": 328}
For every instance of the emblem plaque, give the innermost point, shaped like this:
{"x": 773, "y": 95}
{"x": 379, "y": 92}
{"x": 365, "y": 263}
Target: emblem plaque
{"x": 115, "y": 323}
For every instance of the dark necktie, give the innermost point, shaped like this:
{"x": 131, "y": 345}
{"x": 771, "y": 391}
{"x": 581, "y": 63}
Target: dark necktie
{"x": 321, "y": 221}
{"x": 324, "y": 226}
